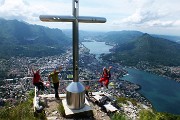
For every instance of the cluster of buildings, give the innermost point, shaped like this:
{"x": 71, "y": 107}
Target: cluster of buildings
{"x": 14, "y": 91}
{"x": 130, "y": 90}
{"x": 172, "y": 72}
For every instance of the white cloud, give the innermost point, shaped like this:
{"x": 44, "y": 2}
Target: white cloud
{"x": 142, "y": 16}
{"x": 1, "y": 2}
{"x": 177, "y": 23}
{"x": 158, "y": 23}
{"x": 145, "y": 15}
{"x": 149, "y": 15}
{"x": 20, "y": 10}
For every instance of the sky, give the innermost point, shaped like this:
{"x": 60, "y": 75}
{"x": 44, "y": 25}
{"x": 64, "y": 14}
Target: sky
{"x": 148, "y": 16}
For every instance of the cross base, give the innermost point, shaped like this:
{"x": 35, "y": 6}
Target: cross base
{"x": 70, "y": 113}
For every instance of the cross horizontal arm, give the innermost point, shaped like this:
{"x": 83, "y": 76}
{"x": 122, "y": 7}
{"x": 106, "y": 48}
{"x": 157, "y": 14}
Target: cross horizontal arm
{"x": 56, "y": 18}
{"x": 82, "y": 19}
{"x": 89, "y": 19}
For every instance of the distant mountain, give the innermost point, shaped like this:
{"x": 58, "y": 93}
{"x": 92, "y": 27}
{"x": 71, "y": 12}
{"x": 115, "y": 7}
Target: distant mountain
{"x": 23, "y": 39}
{"x": 121, "y": 37}
{"x": 156, "y": 51}
{"x": 169, "y": 37}
{"x": 84, "y": 34}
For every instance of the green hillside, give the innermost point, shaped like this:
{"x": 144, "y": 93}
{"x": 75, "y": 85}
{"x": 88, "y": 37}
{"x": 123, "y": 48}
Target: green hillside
{"x": 22, "y": 39}
{"x": 156, "y": 51}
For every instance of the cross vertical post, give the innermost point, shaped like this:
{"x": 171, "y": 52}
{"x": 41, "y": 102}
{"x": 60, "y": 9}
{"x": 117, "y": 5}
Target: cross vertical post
{"x": 75, "y": 41}
{"x": 75, "y": 95}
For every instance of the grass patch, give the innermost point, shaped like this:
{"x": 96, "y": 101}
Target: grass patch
{"x": 61, "y": 110}
{"x": 23, "y": 111}
{"x": 118, "y": 116}
{"x": 124, "y": 100}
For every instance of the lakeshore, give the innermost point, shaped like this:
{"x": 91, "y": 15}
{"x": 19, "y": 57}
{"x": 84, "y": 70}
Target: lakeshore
{"x": 160, "y": 91}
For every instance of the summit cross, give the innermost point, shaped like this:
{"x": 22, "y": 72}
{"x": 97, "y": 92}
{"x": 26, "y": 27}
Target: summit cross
{"x": 75, "y": 19}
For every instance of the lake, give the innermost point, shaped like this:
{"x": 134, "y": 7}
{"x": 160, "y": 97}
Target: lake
{"x": 94, "y": 47}
{"x": 163, "y": 93}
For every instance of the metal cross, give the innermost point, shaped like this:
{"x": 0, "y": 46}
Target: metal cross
{"x": 75, "y": 19}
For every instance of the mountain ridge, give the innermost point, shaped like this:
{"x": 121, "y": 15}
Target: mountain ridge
{"x": 147, "y": 48}
{"x": 23, "y": 39}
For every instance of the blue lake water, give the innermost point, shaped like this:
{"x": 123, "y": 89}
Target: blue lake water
{"x": 163, "y": 93}
{"x": 97, "y": 48}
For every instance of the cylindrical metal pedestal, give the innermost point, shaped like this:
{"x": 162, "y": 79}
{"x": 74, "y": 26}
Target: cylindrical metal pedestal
{"x": 75, "y": 95}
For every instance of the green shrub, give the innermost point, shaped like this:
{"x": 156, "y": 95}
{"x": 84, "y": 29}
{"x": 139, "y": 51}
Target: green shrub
{"x": 31, "y": 94}
{"x": 166, "y": 116}
{"x": 134, "y": 102}
{"x": 118, "y": 116}
{"x": 122, "y": 100}
{"x": 22, "y": 111}
{"x": 146, "y": 115}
